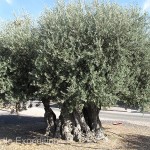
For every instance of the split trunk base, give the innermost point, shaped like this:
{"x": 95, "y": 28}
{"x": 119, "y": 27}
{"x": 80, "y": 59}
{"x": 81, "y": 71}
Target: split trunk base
{"x": 80, "y": 125}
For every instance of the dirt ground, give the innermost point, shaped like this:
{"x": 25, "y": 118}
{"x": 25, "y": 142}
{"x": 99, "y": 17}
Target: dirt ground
{"x": 29, "y": 136}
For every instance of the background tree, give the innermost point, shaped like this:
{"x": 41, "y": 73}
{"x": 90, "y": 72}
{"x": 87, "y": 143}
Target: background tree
{"x": 17, "y": 52}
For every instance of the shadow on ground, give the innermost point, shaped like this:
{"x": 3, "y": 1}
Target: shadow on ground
{"x": 13, "y": 126}
{"x": 138, "y": 142}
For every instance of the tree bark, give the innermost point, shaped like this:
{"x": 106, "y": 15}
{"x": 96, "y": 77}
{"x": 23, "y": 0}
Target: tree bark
{"x": 67, "y": 123}
{"x": 91, "y": 114}
{"x": 73, "y": 125}
{"x": 50, "y": 118}
{"x": 78, "y": 125}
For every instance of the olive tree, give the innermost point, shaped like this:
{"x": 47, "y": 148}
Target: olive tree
{"x": 17, "y": 44}
{"x": 82, "y": 56}
{"x": 91, "y": 56}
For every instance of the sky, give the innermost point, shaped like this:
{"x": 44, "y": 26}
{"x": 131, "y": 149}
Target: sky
{"x": 10, "y": 8}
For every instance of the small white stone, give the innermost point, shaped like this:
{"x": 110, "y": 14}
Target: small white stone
{"x": 106, "y": 139}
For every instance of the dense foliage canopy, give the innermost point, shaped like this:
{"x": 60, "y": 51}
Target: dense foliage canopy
{"x": 17, "y": 51}
{"x": 78, "y": 54}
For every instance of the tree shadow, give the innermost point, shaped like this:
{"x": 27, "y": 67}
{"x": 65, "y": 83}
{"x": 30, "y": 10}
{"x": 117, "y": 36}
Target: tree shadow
{"x": 13, "y": 126}
{"x": 54, "y": 106}
{"x": 139, "y": 142}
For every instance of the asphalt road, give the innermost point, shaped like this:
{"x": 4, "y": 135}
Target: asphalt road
{"x": 135, "y": 118}
{"x": 116, "y": 115}
{"x": 125, "y": 116}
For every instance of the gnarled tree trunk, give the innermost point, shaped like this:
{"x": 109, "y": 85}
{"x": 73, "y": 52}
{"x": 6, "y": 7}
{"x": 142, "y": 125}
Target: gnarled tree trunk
{"x": 78, "y": 125}
{"x": 91, "y": 114}
{"x": 81, "y": 125}
{"x": 50, "y": 118}
{"x": 67, "y": 123}
{"x": 72, "y": 124}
